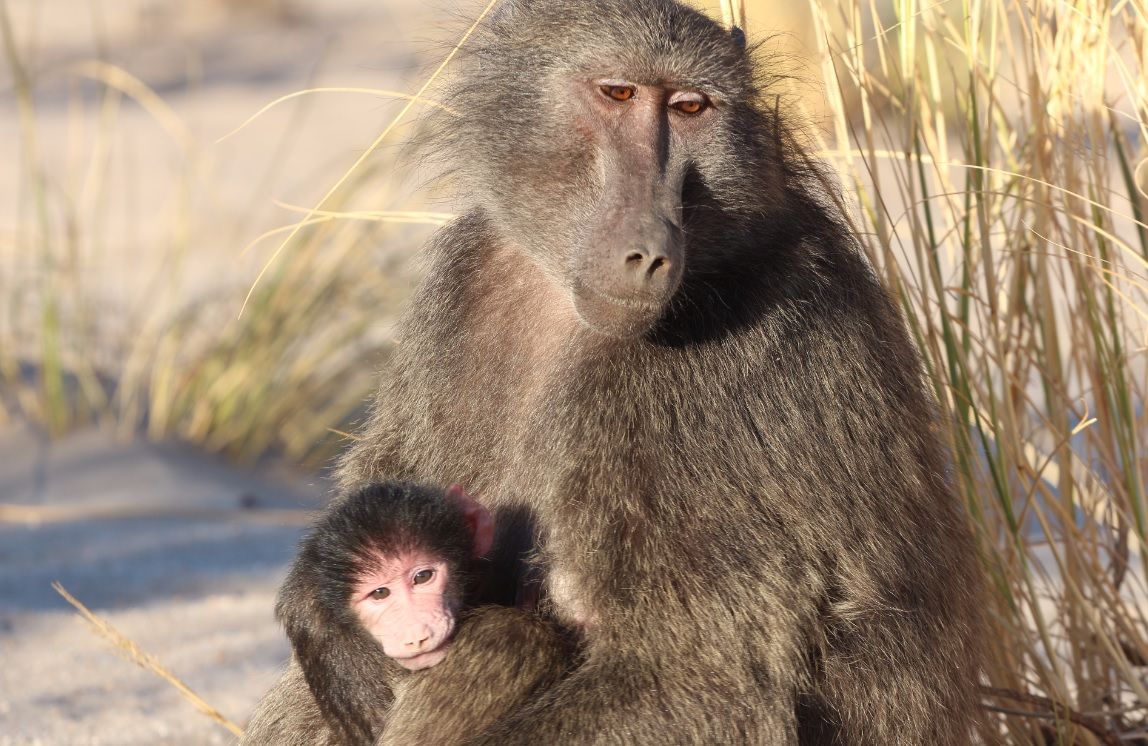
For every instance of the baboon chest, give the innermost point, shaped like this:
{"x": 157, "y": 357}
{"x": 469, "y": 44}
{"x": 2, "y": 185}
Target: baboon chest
{"x": 504, "y": 376}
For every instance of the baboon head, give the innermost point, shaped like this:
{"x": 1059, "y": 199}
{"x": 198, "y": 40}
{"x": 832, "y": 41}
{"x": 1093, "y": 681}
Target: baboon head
{"x": 393, "y": 561}
{"x": 610, "y": 141}
{"x": 407, "y": 589}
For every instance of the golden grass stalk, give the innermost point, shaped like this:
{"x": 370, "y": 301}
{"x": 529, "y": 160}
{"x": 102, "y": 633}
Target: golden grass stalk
{"x": 733, "y": 13}
{"x": 418, "y": 96}
{"x": 116, "y": 78}
{"x": 145, "y": 660}
{"x": 328, "y": 89}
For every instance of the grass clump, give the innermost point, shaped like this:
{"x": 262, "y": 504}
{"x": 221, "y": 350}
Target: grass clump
{"x": 178, "y": 358}
{"x": 996, "y": 151}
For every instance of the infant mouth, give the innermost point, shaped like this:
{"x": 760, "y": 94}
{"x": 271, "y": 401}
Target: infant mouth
{"x": 424, "y": 660}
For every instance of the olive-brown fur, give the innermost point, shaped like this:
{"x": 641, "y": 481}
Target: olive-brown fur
{"x": 749, "y": 501}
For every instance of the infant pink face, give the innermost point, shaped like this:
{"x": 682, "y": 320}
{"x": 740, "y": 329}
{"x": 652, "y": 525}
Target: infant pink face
{"x": 403, "y": 604}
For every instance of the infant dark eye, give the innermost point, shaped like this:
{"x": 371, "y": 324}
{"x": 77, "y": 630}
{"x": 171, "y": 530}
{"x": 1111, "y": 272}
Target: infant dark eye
{"x": 380, "y": 593}
{"x": 423, "y": 576}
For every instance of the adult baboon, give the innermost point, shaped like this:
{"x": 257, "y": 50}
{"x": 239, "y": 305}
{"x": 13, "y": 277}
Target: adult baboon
{"x": 389, "y": 569}
{"x": 654, "y": 333}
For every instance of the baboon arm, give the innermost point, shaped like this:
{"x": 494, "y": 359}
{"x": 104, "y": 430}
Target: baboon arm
{"x": 614, "y": 703}
{"x": 344, "y": 667}
{"x": 501, "y": 660}
{"x": 288, "y": 716}
{"x": 899, "y": 670}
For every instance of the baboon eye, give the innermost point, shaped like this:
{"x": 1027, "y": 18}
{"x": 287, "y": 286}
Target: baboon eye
{"x": 423, "y": 576}
{"x": 690, "y": 105}
{"x": 618, "y": 92}
{"x": 380, "y": 593}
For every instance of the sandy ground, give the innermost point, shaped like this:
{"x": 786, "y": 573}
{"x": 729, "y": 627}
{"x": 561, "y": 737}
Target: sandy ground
{"x": 194, "y": 590}
{"x": 181, "y": 571}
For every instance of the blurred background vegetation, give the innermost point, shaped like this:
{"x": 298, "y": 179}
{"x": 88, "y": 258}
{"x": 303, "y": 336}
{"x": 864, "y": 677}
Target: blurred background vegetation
{"x": 992, "y": 154}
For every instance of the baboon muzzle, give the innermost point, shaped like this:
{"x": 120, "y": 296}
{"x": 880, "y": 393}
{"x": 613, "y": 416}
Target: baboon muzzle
{"x": 632, "y": 260}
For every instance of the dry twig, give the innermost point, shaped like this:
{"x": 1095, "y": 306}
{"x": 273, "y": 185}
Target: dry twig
{"x": 1051, "y": 709}
{"x": 145, "y": 660}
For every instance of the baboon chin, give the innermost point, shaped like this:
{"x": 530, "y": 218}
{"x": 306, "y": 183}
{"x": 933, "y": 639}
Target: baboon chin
{"x": 729, "y": 460}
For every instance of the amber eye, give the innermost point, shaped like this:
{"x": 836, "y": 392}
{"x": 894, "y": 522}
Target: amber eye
{"x": 423, "y": 576}
{"x": 618, "y": 92}
{"x": 690, "y": 105}
{"x": 380, "y": 593}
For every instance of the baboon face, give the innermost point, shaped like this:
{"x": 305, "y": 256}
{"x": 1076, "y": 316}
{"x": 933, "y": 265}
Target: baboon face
{"x": 627, "y": 258}
{"x": 597, "y": 152}
{"x": 408, "y": 603}
{"x": 406, "y": 587}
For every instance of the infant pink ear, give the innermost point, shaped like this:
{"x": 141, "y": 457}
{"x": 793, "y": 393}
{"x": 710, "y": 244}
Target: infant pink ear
{"x": 478, "y": 518}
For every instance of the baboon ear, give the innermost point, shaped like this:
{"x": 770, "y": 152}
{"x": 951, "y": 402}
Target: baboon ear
{"x": 738, "y": 35}
{"x": 478, "y": 518}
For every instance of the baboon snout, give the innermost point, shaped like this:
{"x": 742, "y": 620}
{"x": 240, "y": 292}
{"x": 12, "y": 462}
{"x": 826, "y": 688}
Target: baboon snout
{"x": 644, "y": 259}
{"x": 623, "y": 290}
{"x": 407, "y": 639}
{"x": 629, "y": 269}
{"x": 646, "y": 271}
{"x": 421, "y": 648}
{"x": 646, "y": 266}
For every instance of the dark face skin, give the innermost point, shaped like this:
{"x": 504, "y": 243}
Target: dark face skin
{"x": 630, "y": 259}
{"x": 606, "y": 155}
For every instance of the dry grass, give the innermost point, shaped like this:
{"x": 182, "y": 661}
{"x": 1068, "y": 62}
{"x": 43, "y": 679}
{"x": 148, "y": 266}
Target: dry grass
{"x": 181, "y": 361}
{"x": 993, "y": 153}
{"x": 145, "y": 660}
{"x": 994, "y": 150}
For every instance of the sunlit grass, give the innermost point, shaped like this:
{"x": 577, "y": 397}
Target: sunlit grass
{"x": 993, "y": 150}
{"x": 281, "y": 379}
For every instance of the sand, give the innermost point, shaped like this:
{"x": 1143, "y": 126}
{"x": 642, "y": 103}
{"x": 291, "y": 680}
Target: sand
{"x": 195, "y": 590}
{"x": 151, "y": 536}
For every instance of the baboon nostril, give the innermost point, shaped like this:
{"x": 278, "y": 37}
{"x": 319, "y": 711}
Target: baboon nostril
{"x": 657, "y": 264}
{"x": 634, "y": 258}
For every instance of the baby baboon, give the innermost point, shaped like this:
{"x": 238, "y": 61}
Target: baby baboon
{"x": 391, "y": 565}
{"x": 654, "y": 334}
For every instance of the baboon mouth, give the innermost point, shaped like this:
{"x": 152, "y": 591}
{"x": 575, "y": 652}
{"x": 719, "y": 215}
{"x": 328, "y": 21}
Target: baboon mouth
{"x": 640, "y": 304}
{"x": 635, "y": 304}
{"x": 424, "y": 660}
